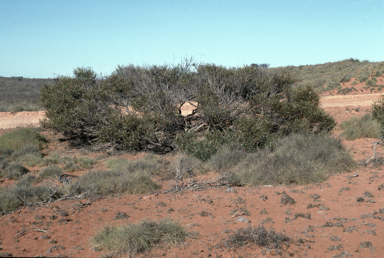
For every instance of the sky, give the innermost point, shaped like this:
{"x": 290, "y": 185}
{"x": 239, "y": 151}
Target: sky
{"x": 50, "y": 38}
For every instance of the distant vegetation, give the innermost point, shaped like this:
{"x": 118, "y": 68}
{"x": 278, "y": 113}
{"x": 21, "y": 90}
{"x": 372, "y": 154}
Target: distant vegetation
{"x": 329, "y": 76}
{"x": 21, "y": 94}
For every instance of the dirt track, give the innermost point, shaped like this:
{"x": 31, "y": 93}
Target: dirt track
{"x": 361, "y": 100}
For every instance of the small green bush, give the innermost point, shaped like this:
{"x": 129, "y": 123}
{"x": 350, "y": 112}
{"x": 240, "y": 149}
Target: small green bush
{"x": 21, "y": 138}
{"x": 363, "y": 79}
{"x": 346, "y": 78}
{"x": 202, "y": 147}
{"x": 370, "y": 83}
{"x": 363, "y": 127}
{"x": 71, "y": 166}
{"x": 137, "y": 238}
{"x": 378, "y": 74}
{"x": 14, "y": 171}
{"x": 106, "y": 183}
{"x": 354, "y": 83}
{"x": 50, "y": 172}
{"x": 296, "y": 159}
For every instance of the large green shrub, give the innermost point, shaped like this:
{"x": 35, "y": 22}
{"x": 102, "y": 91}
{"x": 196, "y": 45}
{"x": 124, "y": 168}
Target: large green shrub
{"x": 139, "y": 108}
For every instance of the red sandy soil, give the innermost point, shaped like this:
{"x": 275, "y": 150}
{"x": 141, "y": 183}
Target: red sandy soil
{"x": 336, "y": 225}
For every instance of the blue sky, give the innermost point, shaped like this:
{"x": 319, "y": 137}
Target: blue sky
{"x": 43, "y": 39}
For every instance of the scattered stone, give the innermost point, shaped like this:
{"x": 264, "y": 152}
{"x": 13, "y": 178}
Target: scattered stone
{"x": 277, "y": 193}
{"x": 302, "y": 215}
{"x": 370, "y": 231}
{"x": 54, "y": 248}
{"x": 37, "y": 217}
{"x": 381, "y": 211}
{"x": 344, "y": 189}
{"x": 309, "y": 229}
{"x": 239, "y": 212}
{"x": 335, "y": 238}
{"x": 5, "y": 254}
{"x": 338, "y": 247}
{"x": 315, "y": 197}
{"x": 368, "y": 194}
{"x": 45, "y": 237}
{"x": 360, "y": 199}
{"x": 371, "y": 225}
{"x": 240, "y": 201}
{"x": 161, "y": 204}
{"x": 343, "y": 254}
{"x": 263, "y": 197}
{"x": 53, "y": 241}
{"x": 381, "y": 187}
{"x": 370, "y": 200}
{"x": 78, "y": 247}
{"x": 53, "y": 217}
{"x": 204, "y": 214}
{"x": 267, "y": 220}
{"x": 330, "y": 224}
{"x": 242, "y": 219}
{"x": 285, "y": 199}
{"x": 170, "y": 210}
{"x": 310, "y": 206}
{"x": 366, "y": 244}
{"x": 263, "y": 212}
{"x": 121, "y": 215}
{"x": 350, "y": 229}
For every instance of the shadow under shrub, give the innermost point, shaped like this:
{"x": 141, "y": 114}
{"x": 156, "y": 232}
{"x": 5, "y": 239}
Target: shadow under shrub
{"x": 137, "y": 238}
{"x": 296, "y": 159}
{"x": 363, "y": 127}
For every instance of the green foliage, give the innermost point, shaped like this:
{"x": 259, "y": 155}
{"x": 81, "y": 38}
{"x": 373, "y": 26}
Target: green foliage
{"x": 139, "y": 108}
{"x": 22, "y": 138}
{"x": 378, "y": 74}
{"x": 363, "y": 127}
{"x": 370, "y": 83}
{"x": 354, "y": 83}
{"x": 378, "y": 112}
{"x": 202, "y": 147}
{"x": 363, "y": 78}
{"x": 298, "y": 159}
{"x": 184, "y": 167}
{"x": 133, "y": 239}
{"x": 85, "y": 162}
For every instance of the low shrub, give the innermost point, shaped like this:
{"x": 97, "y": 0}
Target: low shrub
{"x": 24, "y": 193}
{"x": 85, "y": 162}
{"x": 370, "y": 83}
{"x": 257, "y": 236}
{"x": 106, "y": 183}
{"x": 184, "y": 167}
{"x": 225, "y": 159}
{"x": 354, "y": 83}
{"x": 296, "y": 159}
{"x": 29, "y": 148}
{"x": 363, "y": 127}
{"x": 137, "y": 238}
{"x": 363, "y": 78}
{"x": 50, "y": 172}
{"x": 14, "y": 171}
{"x": 21, "y": 138}
{"x": 71, "y": 166}
{"x": 149, "y": 165}
{"x": 378, "y": 74}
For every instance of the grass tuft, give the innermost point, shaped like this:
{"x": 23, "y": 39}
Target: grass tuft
{"x": 296, "y": 159}
{"x": 20, "y": 138}
{"x": 137, "y": 238}
{"x": 50, "y": 172}
{"x": 226, "y": 159}
{"x": 363, "y": 127}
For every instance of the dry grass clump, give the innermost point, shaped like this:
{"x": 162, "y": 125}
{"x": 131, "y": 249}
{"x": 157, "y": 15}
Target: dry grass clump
{"x": 50, "y": 172}
{"x": 149, "y": 165}
{"x": 20, "y": 138}
{"x": 14, "y": 171}
{"x": 106, "y": 183}
{"x": 24, "y": 193}
{"x": 363, "y": 127}
{"x": 298, "y": 159}
{"x": 137, "y": 238}
{"x": 226, "y": 159}
{"x": 257, "y": 236}
{"x": 184, "y": 167}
